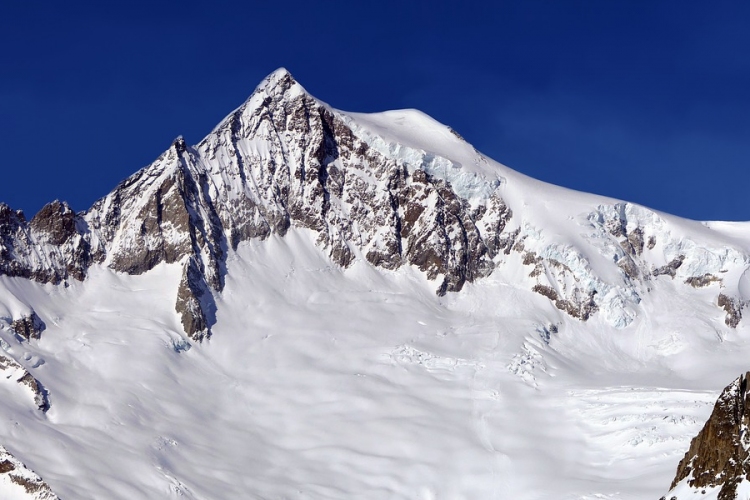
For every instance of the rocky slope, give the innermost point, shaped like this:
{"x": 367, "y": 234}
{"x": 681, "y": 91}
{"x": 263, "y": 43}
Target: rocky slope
{"x": 281, "y": 159}
{"x": 284, "y": 159}
{"x": 18, "y": 481}
{"x": 718, "y": 460}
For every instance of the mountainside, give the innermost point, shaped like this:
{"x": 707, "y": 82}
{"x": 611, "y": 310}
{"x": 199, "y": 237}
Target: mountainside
{"x": 285, "y": 159}
{"x": 364, "y": 300}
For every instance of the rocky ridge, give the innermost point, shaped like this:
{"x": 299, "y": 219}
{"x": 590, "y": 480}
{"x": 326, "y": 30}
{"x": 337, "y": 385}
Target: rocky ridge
{"x": 719, "y": 456}
{"x": 284, "y": 159}
{"x": 20, "y": 478}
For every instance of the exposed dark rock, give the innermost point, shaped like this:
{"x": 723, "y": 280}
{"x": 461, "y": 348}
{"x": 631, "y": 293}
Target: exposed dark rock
{"x": 733, "y": 308}
{"x": 633, "y": 242}
{"x": 635, "y": 239}
{"x": 547, "y": 291}
{"x": 671, "y": 268}
{"x": 56, "y": 222}
{"x": 41, "y": 398}
{"x": 6, "y": 363}
{"x": 13, "y": 233}
{"x": 48, "y": 249}
{"x": 508, "y": 241}
{"x": 629, "y": 267}
{"x": 192, "y": 204}
{"x": 28, "y": 327}
{"x": 23, "y": 377}
{"x": 456, "y": 134}
{"x": 193, "y": 299}
{"x": 531, "y": 258}
{"x": 718, "y": 455}
{"x": 574, "y": 301}
{"x": 617, "y": 226}
{"x": 179, "y": 144}
{"x": 582, "y": 308}
{"x": 702, "y": 281}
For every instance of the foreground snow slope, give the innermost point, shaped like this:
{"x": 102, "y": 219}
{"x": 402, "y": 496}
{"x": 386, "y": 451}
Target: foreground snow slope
{"x": 257, "y": 317}
{"x": 322, "y": 383}
{"x": 328, "y": 384}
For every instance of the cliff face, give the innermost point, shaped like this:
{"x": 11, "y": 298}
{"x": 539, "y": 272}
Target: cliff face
{"x": 718, "y": 458}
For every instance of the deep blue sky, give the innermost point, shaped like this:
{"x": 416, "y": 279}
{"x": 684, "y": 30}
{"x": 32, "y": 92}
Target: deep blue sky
{"x": 644, "y": 101}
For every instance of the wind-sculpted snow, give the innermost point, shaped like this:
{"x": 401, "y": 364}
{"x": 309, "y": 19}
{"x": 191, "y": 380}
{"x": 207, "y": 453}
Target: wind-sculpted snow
{"x": 467, "y": 184}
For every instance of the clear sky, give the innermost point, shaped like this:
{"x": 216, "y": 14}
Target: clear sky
{"x": 643, "y": 101}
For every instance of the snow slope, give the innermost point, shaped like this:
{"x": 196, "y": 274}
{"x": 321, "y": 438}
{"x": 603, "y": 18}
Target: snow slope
{"x": 323, "y": 380}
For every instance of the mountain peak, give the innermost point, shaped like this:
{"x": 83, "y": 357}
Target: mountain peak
{"x": 278, "y": 74}
{"x": 300, "y": 244}
{"x": 278, "y": 86}
{"x": 179, "y": 144}
{"x": 393, "y": 189}
{"x": 279, "y": 82}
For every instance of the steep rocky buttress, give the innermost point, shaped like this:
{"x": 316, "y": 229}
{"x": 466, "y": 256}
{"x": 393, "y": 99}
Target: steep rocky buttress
{"x": 719, "y": 458}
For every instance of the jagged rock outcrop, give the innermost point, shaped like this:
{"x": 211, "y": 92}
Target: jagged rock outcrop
{"x": 733, "y": 308}
{"x": 26, "y": 480}
{"x": 28, "y": 327}
{"x": 191, "y": 293}
{"x": 40, "y": 393}
{"x": 12, "y": 370}
{"x": 48, "y": 249}
{"x": 718, "y": 457}
{"x": 669, "y": 269}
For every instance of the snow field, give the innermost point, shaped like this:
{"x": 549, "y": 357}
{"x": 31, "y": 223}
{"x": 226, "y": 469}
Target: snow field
{"x": 324, "y": 383}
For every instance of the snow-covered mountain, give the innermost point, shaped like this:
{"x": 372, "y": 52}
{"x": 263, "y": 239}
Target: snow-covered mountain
{"x": 313, "y": 303}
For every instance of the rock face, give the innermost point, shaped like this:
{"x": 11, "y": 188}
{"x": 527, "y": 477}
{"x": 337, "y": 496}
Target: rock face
{"x": 733, "y": 308}
{"x": 285, "y": 160}
{"x": 28, "y": 327}
{"x": 718, "y": 457}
